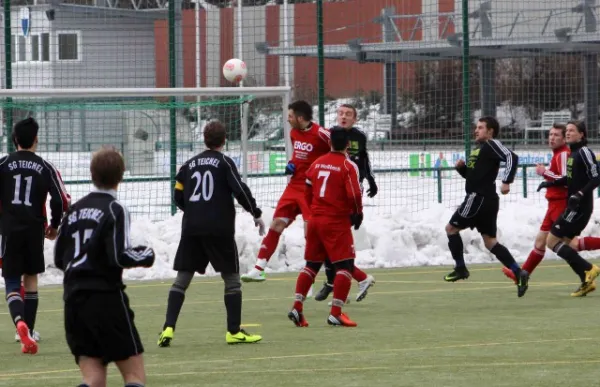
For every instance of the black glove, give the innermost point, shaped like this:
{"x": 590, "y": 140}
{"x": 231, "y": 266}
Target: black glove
{"x": 544, "y": 184}
{"x": 574, "y": 201}
{"x": 148, "y": 254}
{"x": 372, "y": 191}
{"x": 356, "y": 220}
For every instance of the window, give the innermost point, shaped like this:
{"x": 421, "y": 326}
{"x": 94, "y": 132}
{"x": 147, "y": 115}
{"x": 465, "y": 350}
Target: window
{"x": 45, "y": 47}
{"x": 68, "y": 46}
{"x": 22, "y": 45}
{"x": 35, "y": 48}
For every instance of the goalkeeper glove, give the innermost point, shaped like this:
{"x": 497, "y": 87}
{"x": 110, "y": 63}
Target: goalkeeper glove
{"x": 544, "y": 184}
{"x": 356, "y": 220}
{"x": 372, "y": 191}
{"x": 290, "y": 168}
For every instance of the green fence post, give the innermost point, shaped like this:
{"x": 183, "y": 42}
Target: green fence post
{"x": 525, "y": 181}
{"x": 439, "y": 184}
{"x": 172, "y": 111}
{"x": 8, "y": 111}
{"x": 466, "y": 111}
{"x": 320, "y": 63}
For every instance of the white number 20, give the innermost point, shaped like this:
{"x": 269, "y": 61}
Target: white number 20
{"x": 205, "y": 186}
{"x": 325, "y": 175}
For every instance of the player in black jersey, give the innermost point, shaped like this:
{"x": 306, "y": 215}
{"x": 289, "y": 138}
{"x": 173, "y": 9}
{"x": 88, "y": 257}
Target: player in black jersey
{"x": 92, "y": 249}
{"x": 26, "y": 179}
{"x": 480, "y": 207}
{"x": 581, "y": 180}
{"x": 204, "y": 191}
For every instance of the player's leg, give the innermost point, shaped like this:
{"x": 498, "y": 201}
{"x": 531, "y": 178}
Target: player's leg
{"x": 132, "y": 370}
{"x": 328, "y": 284}
{"x": 365, "y": 281}
{"x": 93, "y": 372}
{"x": 31, "y": 301}
{"x": 570, "y": 224}
{"x": 338, "y": 241}
{"x": 33, "y": 266}
{"x": 585, "y": 243}
{"x": 314, "y": 255}
{"x": 224, "y": 258}
{"x": 536, "y": 255}
{"x": 461, "y": 219}
{"x": 174, "y": 304}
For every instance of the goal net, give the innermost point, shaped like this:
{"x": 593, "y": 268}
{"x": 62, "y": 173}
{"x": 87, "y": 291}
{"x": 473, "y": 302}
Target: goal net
{"x": 157, "y": 130}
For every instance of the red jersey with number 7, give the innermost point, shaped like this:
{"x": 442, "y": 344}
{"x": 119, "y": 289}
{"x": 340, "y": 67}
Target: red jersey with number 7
{"x": 308, "y": 144}
{"x": 332, "y": 188}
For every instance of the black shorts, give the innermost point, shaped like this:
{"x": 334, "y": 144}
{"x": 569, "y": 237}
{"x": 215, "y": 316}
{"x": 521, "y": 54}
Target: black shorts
{"x": 23, "y": 252}
{"x": 100, "y": 325}
{"x": 195, "y": 252}
{"x": 571, "y": 223}
{"x": 479, "y": 212}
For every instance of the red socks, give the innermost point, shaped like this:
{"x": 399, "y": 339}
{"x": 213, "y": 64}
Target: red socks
{"x": 267, "y": 247}
{"x": 22, "y": 292}
{"x": 358, "y": 274}
{"x": 341, "y": 289}
{"x": 305, "y": 280}
{"x": 589, "y": 243}
{"x": 534, "y": 259}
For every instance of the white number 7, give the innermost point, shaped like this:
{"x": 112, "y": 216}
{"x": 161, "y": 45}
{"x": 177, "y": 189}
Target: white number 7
{"x": 324, "y": 174}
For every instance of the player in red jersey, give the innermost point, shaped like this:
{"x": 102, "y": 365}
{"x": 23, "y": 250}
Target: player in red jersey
{"x": 309, "y": 141}
{"x": 557, "y": 202}
{"x": 333, "y": 192}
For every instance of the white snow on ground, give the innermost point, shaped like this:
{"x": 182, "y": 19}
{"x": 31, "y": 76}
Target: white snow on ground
{"x": 401, "y": 239}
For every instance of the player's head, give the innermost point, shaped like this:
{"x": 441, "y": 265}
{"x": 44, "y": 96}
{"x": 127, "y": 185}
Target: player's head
{"x": 487, "y": 128}
{"x": 339, "y": 139}
{"x": 25, "y": 134}
{"x": 576, "y": 132}
{"x": 346, "y": 116}
{"x": 300, "y": 114}
{"x": 107, "y": 168}
{"x": 214, "y": 135}
{"x": 556, "y": 136}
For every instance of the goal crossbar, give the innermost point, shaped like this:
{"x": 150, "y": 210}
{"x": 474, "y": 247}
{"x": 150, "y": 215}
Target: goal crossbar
{"x": 275, "y": 91}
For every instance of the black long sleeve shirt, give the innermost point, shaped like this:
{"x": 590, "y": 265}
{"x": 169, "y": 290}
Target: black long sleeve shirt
{"x": 582, "y": 174}
{"x": 481, "y": 170}
{"x": 204, "y": 190}
{"x": 93, "y": 245}
{"x": 357, "y": 151}
{"x": 26, "y": 179}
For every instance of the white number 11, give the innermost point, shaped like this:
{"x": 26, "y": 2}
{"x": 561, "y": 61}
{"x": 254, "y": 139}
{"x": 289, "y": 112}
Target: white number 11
{"x": 324, "y": 174}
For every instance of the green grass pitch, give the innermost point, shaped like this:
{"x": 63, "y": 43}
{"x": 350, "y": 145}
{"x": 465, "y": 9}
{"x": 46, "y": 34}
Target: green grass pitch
{"x": 414, "y": 330}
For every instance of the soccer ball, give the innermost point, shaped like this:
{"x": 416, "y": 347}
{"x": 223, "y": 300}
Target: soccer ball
{"x": 234, "y": 70}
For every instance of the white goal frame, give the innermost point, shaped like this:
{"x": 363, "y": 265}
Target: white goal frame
{"x": 284, "y": 92}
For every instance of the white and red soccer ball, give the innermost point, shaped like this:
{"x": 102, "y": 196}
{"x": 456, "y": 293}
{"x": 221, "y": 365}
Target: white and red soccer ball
{"x": 235, "y": 70}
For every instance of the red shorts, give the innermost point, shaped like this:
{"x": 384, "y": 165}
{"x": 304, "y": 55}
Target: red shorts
{"x": 555, "y": 209}
{"x": 292, "y": 204}
{"x": 326, "y": 237}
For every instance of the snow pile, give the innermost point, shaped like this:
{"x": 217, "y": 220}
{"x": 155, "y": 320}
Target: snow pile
{"x": 384, "y": 241}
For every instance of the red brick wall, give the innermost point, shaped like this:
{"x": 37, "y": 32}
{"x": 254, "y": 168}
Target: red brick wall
{"x": 343, "y": 21}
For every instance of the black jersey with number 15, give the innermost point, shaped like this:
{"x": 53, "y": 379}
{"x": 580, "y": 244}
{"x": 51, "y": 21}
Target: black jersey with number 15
{"x": 209, "y": 181}
{"x": 26, "y": 179}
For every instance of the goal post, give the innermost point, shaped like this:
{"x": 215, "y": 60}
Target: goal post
{"x": 139, "y": 122}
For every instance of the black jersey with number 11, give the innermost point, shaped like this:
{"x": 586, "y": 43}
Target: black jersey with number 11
{"x": 26, "y": 179}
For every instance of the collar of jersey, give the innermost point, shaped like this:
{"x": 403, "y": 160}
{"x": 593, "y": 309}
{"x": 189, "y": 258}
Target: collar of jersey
{"x": 111, "y": 192}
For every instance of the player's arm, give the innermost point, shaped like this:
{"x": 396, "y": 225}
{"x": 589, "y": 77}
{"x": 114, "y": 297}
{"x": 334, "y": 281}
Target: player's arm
{"x": 562, "y": 168}
{"x": 59, "y": 198}
{"x": 118, "y": 245}
{"x": 60, "y": 245}
{"x": 496, "y": 150}
{"x": 308, "y": 188}
{"x": 240, "y": 190}
{"x": 591, "y": 165}
{"x": 178, "y": 196}
{"x": 353, "y": 187}
{"x": 366, "y": 164}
